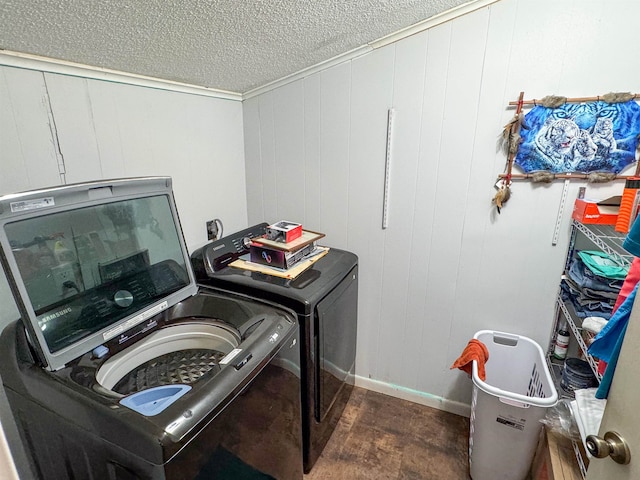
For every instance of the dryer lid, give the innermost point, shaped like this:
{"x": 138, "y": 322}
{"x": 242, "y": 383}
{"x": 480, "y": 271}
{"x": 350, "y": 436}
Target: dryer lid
{"x": 88, "y": 261}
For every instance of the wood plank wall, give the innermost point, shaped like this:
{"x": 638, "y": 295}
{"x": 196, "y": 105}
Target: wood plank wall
{"x": 448, "y": 265}
{"x": 101, "y": 130}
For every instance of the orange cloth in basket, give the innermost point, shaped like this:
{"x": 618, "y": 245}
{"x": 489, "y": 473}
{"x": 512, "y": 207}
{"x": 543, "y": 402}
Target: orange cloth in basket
{"x": 475, "y": 350}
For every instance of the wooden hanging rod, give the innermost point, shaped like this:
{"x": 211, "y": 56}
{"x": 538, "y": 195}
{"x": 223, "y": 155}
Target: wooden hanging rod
{"x": 559, "y": 176}
{"x": 569, "y": 100}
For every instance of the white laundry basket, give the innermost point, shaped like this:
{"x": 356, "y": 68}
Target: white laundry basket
{"x": 507, "y": 407}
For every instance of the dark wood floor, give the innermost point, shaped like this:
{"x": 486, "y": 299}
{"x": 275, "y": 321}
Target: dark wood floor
{"x": 381, "y": 437}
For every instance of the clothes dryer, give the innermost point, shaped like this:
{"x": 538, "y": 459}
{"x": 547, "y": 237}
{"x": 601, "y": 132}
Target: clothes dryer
{"x": 325, "y": 299}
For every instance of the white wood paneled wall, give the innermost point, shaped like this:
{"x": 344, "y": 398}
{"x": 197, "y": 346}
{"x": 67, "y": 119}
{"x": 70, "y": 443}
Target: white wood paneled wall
{"x": 99, "y": 130}
{"x": 448, "y": 265}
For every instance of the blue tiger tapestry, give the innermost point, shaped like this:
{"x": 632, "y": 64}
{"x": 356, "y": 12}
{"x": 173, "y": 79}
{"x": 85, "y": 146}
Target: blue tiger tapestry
{"x": 581, "y": 138}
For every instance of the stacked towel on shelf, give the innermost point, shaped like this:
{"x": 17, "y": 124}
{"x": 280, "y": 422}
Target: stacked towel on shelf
{"x": 587, "y": 411}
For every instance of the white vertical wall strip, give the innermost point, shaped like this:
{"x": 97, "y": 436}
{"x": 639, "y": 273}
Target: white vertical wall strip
{"x": 70, "y": 99}
{"x": 289, "y": 133}
{"x": 112, "y": 135}
{"x": 268, "y": 158}
{"x": 423, "y": 320}
{"x": 28, "y": 155}
{"x": 465, "y": 52}
{"x": 408, "y": 94}
{"x": 372, "y": 77}
{"x": 311, "y": 153}
{"x": 53, "y": 128}
{"x": 484, "y": 232}
{"x": 465, "y": 98}
{"x": 253, "y": 160}
{"x": 436, "y": 223}
{"x": 334, "y": 152}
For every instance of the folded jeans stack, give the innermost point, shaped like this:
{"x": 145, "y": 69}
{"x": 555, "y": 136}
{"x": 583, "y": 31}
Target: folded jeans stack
{"x": 593, "y": 283}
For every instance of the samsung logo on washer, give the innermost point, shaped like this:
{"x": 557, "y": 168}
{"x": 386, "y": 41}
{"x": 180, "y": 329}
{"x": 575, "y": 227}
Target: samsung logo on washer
{"x": 57, "y": 314}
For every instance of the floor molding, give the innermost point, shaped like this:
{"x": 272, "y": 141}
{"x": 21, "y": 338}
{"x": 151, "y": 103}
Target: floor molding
{"x": 415, "y": 396}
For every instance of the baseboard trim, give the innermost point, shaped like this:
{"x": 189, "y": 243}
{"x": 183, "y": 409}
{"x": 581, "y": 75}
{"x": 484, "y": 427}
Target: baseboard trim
{"x": 415, "y": 396}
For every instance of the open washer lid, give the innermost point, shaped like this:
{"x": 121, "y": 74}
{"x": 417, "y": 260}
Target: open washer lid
{"x": 86, "y": 262}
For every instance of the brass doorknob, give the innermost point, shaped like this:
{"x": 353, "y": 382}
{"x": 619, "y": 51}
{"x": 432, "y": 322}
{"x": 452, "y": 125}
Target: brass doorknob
{"x": 612, "y": 445}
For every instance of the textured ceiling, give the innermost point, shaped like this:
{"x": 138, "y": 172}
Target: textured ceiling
{"x": 233, "y": 45}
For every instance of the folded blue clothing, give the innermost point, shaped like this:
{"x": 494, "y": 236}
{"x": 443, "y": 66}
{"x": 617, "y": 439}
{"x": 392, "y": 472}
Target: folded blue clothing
{"x": 601, "y": 264}
{"x": 587, "y": 295}
{"x": 597, "y": 309}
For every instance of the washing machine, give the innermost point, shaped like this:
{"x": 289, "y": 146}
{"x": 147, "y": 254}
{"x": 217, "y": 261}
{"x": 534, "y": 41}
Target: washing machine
{"x": 325, "y": 300}
{"x": 121, "y": 366}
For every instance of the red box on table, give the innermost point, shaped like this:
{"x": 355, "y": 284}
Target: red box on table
{"x": 284, "y": 231}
